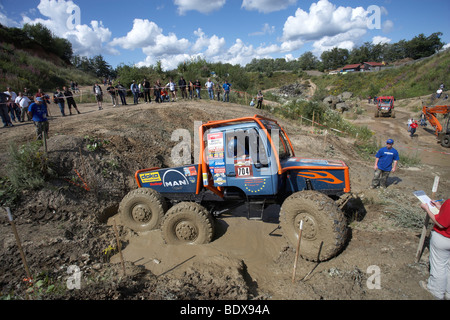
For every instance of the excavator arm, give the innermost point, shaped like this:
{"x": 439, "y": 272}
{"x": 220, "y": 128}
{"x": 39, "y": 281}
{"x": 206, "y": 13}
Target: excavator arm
{"x": 430, "y": 114}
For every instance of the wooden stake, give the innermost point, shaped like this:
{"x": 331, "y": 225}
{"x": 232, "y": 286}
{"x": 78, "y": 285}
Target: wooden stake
{"x": 298, "y": 251}
{"x": 426, "y": 222}
{"x": 16, "y": 235}
{"x": 118, "y": 246}
{"x": 44, "y": 139}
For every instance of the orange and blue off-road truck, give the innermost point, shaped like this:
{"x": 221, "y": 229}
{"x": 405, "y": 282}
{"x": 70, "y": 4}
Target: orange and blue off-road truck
{"x": 245, "y": 161}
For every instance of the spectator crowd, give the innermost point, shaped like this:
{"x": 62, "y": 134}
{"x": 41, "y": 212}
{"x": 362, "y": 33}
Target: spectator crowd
{"x": 24, "y": 105}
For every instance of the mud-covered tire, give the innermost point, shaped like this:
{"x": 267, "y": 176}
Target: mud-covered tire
{"x": 325, "y": 229}
{"x": 187, "y": 223}
{"x": 142, "y": 209}
{"x": 445, "y": 142}
{"x": 392, "y": 114}
{"x": 377, "y": 114}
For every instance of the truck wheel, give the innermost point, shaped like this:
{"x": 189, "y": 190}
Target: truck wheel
{"x": 377, "y": 114}
{"x": 187, "y": 223}
{"x": 324, "y": 230}
{"x": 142, "y": 209}
{"x": 392, "y": 114}
{"x": 445, "y": 142}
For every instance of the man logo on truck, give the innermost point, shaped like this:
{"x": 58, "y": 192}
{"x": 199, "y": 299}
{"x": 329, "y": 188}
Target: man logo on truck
{"x": 174, "y": 179}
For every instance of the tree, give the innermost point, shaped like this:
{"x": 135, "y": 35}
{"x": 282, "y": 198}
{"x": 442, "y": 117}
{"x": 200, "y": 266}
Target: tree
{"x": 63, "y": 49}
{"x": 39, "y": 33}
{"x": 361, "y": 54}
{"x": 421, "y": 46}
{"x": 42, "y": 35}
{"x": 308, "y": 61}
{"x": 334, "y": 58}
{"x": 101, "y": 67}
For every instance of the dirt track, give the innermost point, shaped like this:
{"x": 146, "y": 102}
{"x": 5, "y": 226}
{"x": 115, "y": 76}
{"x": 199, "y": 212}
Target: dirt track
{"x": 247, "y": 259}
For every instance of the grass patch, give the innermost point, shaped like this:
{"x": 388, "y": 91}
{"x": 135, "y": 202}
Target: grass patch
{"x": 27, "y": 166}
{"x": 27, "y": 169}
{"x": 401, "y": 212}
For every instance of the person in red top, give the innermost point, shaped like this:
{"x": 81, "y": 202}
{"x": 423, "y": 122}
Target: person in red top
{"x": 413, "y": 128}
{"x": 439, "y": 281}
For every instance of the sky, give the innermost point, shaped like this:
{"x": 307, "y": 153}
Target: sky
{"x": 142, "y": 32}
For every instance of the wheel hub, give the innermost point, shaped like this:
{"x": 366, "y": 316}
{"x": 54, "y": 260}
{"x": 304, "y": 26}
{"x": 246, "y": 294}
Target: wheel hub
{"x": 309, "y": 230}
{"x": 141, "y": 213}
{"x": 186, "y": 231}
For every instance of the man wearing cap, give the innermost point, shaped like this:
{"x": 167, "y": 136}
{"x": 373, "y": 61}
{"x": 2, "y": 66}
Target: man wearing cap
{"x": 38, "y": 113}
{"x": 386, "y": 161}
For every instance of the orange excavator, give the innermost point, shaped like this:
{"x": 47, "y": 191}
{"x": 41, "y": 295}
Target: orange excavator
{"x": 442, "y": 131}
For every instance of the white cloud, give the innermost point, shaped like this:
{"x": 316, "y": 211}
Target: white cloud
{"x": 387, "y": 27}
{"x": 172, "y": 51}
{"x": 198, "y": 5}
{"x": 267, "y": 6}
{"x": 144, "y": 33}
{"x": 168, "y": 62}
{"x": 288, "y": 46}
{"x": 86, "y": 40}
{"x": 266, "y": 29}
{"x": 346, "y": 40}
{"x": 167, "y": 45}
{"x": 328, "y": 26}
{"x": 380, "y": 40}
{"x": 289, "y": 57}
{"x": 323, "y": 19}
{"x": 214, "y": 45}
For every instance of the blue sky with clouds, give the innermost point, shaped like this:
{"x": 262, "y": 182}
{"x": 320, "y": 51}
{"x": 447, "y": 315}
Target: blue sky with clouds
{"x": 230, "y": 31}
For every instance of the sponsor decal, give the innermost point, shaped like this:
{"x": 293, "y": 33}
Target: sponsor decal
{"x": 215, "y": 146}
{"x": 255, "y": 185}
{"x": 174, "y": 179}
{"x": 156, "y": 183}
{"x": 190, "y": 171}
{"x": 150, "y": 177}
{"x": 219, "y": 178}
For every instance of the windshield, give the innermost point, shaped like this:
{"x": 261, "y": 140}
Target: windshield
{"x": 280, "y": 141}
{"x": 385, "y": 102}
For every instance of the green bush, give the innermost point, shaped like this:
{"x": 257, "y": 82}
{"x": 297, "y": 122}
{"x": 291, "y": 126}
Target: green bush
{"x": 27, "y": 166}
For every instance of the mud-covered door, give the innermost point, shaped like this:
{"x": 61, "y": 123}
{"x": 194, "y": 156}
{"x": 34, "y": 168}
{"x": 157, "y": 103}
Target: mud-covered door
{"x": 246, "y": 162}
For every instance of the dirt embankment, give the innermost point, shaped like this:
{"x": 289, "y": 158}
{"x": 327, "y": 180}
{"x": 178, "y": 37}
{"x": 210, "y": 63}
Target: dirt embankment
{"x": 59, "y": 226}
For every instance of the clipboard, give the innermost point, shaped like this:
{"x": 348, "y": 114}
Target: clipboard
{"x": 422, "y": 196}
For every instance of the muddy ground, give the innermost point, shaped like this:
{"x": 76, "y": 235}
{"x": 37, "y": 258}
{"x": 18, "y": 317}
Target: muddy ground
{"x": 71, "y": 222}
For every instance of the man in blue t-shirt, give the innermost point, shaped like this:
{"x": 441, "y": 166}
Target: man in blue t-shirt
{"x": 386, "y": 161}
{"x": 38, "y": 113}
{"x": 226, "y": 91}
